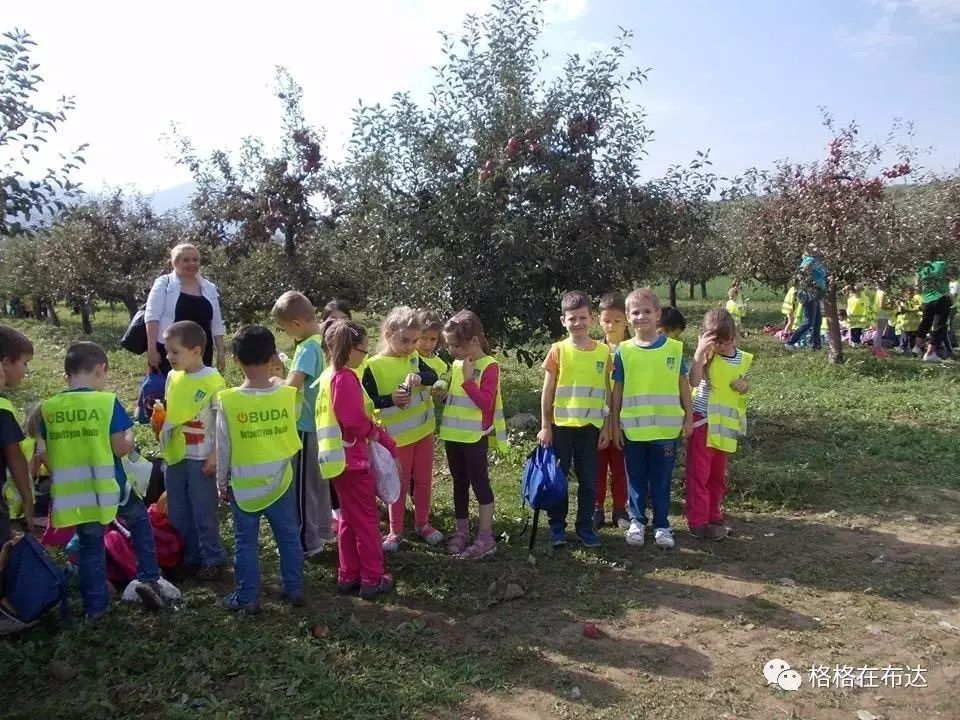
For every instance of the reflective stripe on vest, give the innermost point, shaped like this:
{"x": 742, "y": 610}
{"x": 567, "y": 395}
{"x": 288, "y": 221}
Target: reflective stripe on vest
{"x": 726, "y": 409}
{"x": 582, "y": 382}
{"x": 263, "y": 438}
{"x": 330, "y": 446}
{"x": 650, "y": 409}
{"x": 416, "y": 421}
{"x": 83, "y": 486}
{"x": 187, "y": 395}
{"x": 462, "y": 420}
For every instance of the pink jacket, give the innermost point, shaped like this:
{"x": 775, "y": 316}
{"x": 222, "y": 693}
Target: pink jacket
{"x": 484, "y": 395}
{"x": 355, "y": 426}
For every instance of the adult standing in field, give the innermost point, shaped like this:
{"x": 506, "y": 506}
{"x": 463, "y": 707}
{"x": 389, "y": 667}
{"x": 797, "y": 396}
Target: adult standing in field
{"x": 811, "y": 287}
{"x": 935, "y": 294}
{"x": 183, "y": 294}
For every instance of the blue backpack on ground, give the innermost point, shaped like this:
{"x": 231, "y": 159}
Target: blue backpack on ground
{"x": 544, "y": 486}
{"x": 31, "y": 585}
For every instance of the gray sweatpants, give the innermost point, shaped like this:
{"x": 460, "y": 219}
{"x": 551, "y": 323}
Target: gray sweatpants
{"x": 313, "y": 495}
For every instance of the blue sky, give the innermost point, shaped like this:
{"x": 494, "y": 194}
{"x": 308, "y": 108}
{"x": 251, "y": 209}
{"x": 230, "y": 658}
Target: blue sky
{"x": 744, "y": 79}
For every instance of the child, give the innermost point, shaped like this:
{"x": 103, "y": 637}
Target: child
{"x": 472, "y": 421}
{"x": 651, "y": 408}
{"x": 294, "y": 314}
{"x": 345, "y": 428}
{"x": 336, "y": 309}
{"x": 879, "y": 310}
{"x": 909, "y": 314}
{"x": 613, "y": 320}
{"x": 720, "y": 371}
{"x": 734, "y": 306}
{"x": 188, "y": 448}
{"x": 35, "y": 471}
{"x": 856, "y": 315}
{"x": 573, "y": 410}
{"x": 432, "y": 326}
{"x": 86, "y": 432}
{"x": 672, "y": 323}
{"x": 399, "y": 382}
{"x": 792, "y": 309}
{"x": 16, "y": 351}
{"x": 256, "y": 440}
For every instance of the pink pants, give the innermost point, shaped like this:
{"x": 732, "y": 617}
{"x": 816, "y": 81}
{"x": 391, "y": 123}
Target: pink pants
{"x": 706, "y": 479}
{"x": 358, "y": 534}
{"x": 416, "y": 462}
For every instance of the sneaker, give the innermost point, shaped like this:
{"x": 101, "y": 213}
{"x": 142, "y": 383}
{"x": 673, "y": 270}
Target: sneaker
{"x": 621, "y": 518}
{"x": 430, "y": 536}
{"x": 391, "y": 543}
{"x": 232, "y": 602}
{"x": 372, "y": 592}
{"x": 663, "y": 538}
{"x": 348, "y": 588}
{"x": 635, "y": 534}
{"x": 150, "y": 596}
{"x": 208, "y": 573}
{"x": 558, "y": 536}
{"x": 709, "y": 532}
{"x": 599, "y": 519}
{"x": 928, "y": 358}
{"x": 588, "y": 539}
{"x": 295, "y": 598}
{"x": 790, "y": 347}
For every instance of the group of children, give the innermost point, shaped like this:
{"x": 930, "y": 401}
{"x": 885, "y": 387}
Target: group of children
{"x": 294, "y": 445}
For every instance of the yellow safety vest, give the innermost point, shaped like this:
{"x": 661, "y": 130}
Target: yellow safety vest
{"x": 84, "y": 486}
{"x": 726, "y": 408}
{"x": 414, "y": 422}
{"x": 437, "y": 364}
{"x": 789, "y": 302}
{"x": 856, "y": 311}
{"x": 187, "y": 395}
{"x": 910, "y": 315}
{"x": 650, "y": 409}
{"x": 581, "y": 396}
{"x": 263, "y": 438}
{"x": 879, "y": 303}
{"x": 462, "y": 420}
{"x": 330, "y": 446}
{"x": 734, "y": 308}
{"x": 11, "y": 493}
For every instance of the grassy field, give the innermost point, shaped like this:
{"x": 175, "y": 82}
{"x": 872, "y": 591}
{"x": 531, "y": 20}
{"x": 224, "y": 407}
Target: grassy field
{"x": 845, "y": 504}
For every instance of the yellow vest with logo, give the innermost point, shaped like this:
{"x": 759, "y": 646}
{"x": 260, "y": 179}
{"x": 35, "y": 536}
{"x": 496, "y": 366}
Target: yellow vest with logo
{"x": 84, "y": 486}
{"x": 857, "y": 311}
{"x": 187, "y": 395}
{"x": 437, "y": 364}
{"x": 414, "y": 422}
{"x": 650, "y": 409}
{"x": 581, "y": 396}
{"x": 263, "y": 438}
{"x": 726, "y": 408}
{"x": 462, "y": 420}
{"x": 330, "y": 446}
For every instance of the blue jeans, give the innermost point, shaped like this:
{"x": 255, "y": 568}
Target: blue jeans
{"x": 282, "y": 516}
{"x": 650, "y": 471}
{"x": 577, "y": 447}
{"x": 92, "y": 557}
{"x": 812, "y": 320}
{"x": 192, "y": 500}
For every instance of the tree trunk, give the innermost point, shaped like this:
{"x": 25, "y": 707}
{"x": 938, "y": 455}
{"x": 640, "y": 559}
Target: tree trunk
{"x": 833, "y": 326}
{"x": 692, "y": 288}
{"x": 703, "y": 289}
{"x": 85, "y": 323}
{"x": 673, "y": 292}
{"x": 289, "y": 247}
{"x": 52, "y": 311}
{"x": 131, "y": 304}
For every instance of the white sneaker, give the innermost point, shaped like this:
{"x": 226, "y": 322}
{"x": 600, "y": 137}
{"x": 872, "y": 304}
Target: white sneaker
{"x": 790, "y": 347}
{"x": 931, "y": 358}
{"x": 663, "y": 538}
{"x": 635, "y": 534}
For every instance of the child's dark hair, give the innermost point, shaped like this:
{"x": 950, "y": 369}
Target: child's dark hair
{"x": 254, "y": 345}
{"x": 613, "y": 301}
{"x": 672, "y": 319}
{"x": 83, "y": 357}
{"x": 574, "y": 300}
{"x": 340, "y": 338}
{"x": 31, "y": 422}
{"x": 721, "y": 323}
{"x": 336, "y": 305}
{"x": 14, "y": 344}
{"x": 187, "y": 333}
{"x": 462, "y": 328}
{"x": 429, "y": 321}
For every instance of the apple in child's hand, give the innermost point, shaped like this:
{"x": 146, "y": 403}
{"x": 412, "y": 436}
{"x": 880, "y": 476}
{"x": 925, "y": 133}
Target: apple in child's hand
{"x": 320, "y": 631}
{"x": 591, "y": 631}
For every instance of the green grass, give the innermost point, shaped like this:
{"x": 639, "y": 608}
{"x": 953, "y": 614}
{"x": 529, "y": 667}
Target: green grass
{"x": 866, "y": 437}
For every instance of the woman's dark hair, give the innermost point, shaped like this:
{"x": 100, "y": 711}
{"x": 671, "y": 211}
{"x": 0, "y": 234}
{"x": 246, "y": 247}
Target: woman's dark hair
{"x": 254, "y": 345}
{"x": 336, "y": 305}
{"x": 462, "y": 328}
{"x": 339, "y": 340}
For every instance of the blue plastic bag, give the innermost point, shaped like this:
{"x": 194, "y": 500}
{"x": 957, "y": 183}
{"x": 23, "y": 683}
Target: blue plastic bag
{"x": 153, "y": 388}
{"x": 544, "y": 486}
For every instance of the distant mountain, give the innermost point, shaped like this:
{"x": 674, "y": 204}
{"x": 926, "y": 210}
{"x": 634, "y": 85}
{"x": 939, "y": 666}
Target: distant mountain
{"x": 173, "y": 198}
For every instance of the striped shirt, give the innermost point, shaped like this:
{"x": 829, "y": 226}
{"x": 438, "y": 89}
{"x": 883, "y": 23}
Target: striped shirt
{"x": 702, "y": 400}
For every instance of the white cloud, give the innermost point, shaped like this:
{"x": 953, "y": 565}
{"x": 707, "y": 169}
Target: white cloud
{"x": 564, "y": 11}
